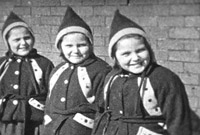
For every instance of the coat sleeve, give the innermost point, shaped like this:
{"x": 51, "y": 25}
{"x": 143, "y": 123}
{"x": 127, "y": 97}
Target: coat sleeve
{"x": 98, "y": 86}
{"x": 175, "y": 107}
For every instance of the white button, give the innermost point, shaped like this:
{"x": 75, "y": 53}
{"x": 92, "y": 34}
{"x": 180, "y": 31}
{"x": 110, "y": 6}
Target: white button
{"x": 121, "y": 112}
{"x": 10, "y": 59}
{"x": 15, "y": 102}
{"x": 16, "y": 86}
{"x": 63, "y": 99}
{"x": 16, "y": 72}
{"x": 19, "y": 60}
{"x": 66, "y": 82}
{"x": 72, "y": 67}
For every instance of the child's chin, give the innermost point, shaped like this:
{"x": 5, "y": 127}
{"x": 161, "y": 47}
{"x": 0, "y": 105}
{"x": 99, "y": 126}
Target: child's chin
{"x": 137, "y": 71}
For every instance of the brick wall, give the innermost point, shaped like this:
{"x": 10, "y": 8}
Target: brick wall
{"x": 173, "y": 27}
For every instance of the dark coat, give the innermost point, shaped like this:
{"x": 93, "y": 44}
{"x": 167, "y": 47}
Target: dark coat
{"x": 23, "y": 79}
{"x": 154, "y": 102}
{"x": 74, "y": 89}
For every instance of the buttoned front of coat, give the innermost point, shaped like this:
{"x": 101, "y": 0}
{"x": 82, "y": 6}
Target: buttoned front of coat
{"x": 72, "y": 89}
{"x": 22, "y": 79}
{"x": 140, "y": 105}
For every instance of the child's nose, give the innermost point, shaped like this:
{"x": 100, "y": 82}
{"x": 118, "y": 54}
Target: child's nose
{"x": 75, "y": 49}
{"x": 134, "y": 56}
{"x": 23, "y": 41}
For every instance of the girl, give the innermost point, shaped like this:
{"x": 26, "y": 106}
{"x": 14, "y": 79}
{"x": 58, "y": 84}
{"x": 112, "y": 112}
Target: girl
{"x": 141, "y": 97}
{"x": 23, "y": 81}
{"x": 76, "y": 83}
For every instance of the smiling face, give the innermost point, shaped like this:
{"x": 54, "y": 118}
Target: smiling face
{"x": 132, "y": 55}
{"x": 75, "y": 47}
{"x": 20, "y": 41}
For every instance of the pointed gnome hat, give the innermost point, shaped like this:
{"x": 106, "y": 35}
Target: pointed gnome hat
{"x": 73, "y": 23}
{"x": 121, "y": 26}
{"x": 13, "y": 21}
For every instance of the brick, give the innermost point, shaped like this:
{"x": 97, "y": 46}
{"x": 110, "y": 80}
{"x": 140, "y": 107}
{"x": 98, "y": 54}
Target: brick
{"x": 184, "y": 56}
{"x": 132, "y": 11}
{"x": 171, "y": 45}
{"x": 192, "y": 67}
{"x": 6, "y": 7}
{"x": 161, "y": 55}
{"x": 22, "y": 10}
{"x": 43, "y": 47}
{"x": 95, "y": 20}
{"x": 100, "y": 31}
{"x": 101, "y": 51}
{"x": 52, "y": 38}
{"x": 194, "y": 102}
{"x": 192, "y": 1}
{"x": 171, "y": 1}
{"x": 32, "y": 20}
{"x": 93, "y": 2}
{"x": 58, "y": 11}
{"x": 157, "y": 33}
{"x": 54, "y": 29}
{"x": 170, "y": 21}
{"x": 134, "y": 2}
{"x": 40, "y": 2}
{"x": 116, "y": 2}
{"x": 42, "y": 29}
{"x": 108, "y": 22}
{"x": 40, "y": 10}
{"x": 51, "y": 20}
{"x": 192, "y": 45}
{"x": 184, "y": 33}
{"x": 42, "y": 38}
{"x": 192, "y": 9}
{"x": 161, "y": 10}
{"x": 84, "y": 11}
{"x": 156, "y": 10}
{"x": 190, "y": 79}
{"x": 192, "y": 21}
{"x": 99, "y": 41}
{"x": 104, "y": 10}
{"x": 147, "y": 21}
{"x": 71, "y": 2}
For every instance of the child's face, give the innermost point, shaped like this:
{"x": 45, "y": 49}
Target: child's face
{"x": 75, "y": 47}
{"x": 20, "y": 41}
{"x": 132, "y": 55}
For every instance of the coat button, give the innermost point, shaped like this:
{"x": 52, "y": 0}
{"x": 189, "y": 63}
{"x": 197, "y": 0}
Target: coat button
{"x": 121, "y": 112}
{"x": 15, "y": 102}
{"x": 16, "y": 72}
{"x": 66, "y": 82}
{"x": 72, "y": 67}
{"x": 63, "y": 99}
{"x": 16, "y": 86}
{"x": 19, "y": 60}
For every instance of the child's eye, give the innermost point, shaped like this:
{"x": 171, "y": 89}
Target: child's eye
{"x": 68, "y": 45}
{"x": 27, "y": 37}
{"x": 82, "y": 45}
{"x": 125, "y": 54}
{"x": 17, "y": 39}
{"x": 141, "y": 50}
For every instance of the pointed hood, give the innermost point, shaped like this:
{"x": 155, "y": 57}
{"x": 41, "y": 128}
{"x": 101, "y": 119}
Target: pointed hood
{"x": 73, "y": 23}
{"x": 121, "y": 26}
{"x": 11, "y": 22}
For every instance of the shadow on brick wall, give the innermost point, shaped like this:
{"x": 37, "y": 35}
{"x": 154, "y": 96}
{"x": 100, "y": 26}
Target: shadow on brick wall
{"x": 195, "y": 123}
